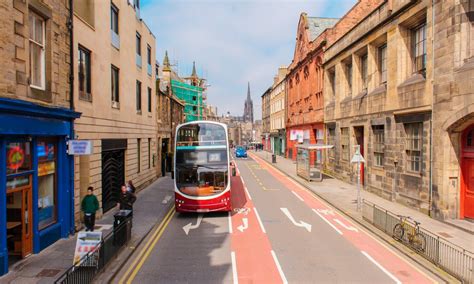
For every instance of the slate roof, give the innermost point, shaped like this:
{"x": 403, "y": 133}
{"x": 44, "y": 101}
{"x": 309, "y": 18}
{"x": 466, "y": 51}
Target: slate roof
{"x": 317, "y": 25}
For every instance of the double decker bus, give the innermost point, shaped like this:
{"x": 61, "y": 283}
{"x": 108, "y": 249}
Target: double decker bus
{"x": 201, "y": 167}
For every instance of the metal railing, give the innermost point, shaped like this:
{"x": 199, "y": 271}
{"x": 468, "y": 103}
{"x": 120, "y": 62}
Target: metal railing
{"x": 94, "y": 261}
{"x": 455, "y": 260}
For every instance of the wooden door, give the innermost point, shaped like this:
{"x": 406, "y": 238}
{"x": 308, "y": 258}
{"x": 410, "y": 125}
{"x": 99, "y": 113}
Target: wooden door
{"x": 27, "y": 218}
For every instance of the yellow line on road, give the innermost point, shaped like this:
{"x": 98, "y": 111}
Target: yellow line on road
{"x": 156, "y": 235}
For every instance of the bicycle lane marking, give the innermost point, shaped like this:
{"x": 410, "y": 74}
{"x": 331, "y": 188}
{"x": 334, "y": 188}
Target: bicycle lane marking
{"x": 397, "y": 266}
{"x": 250, "y": 245}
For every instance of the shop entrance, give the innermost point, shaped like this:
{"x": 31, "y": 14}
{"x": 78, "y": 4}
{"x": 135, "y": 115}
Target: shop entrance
{"x": 467, "y": 177}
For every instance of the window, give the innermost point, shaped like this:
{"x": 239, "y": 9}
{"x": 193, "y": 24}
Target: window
{"x": 149, "y": 99}
{"x": 349, "y": 76}
{"x": 378, "y": 145}
{"x": 419, "y": 49}
{"x": 345, "y": 143}
{"x": 470, "y": 139}
{"x": 148, "y": 54}
{"x": 331, "y": 141}
{"x": 139, "y": 143}
{"x": 383, "y": 63}
{"x": 332, "y": 81}
{"x": 149, "y": 153}
{"x": 114, "y": 20}
{"x": 138, "y": 44}
{"x": 364, "y": 70}
{"x": 84, "y": 70}
{"x": 136, "y": 4}
{"x": 47, "y": 165}
{"x": 413, "y": 146}
{"x": 37, "y": 51}
{"x": 139, "y": 96}
{"x": 115, "y": 84}
{"x": 18, "y": 157}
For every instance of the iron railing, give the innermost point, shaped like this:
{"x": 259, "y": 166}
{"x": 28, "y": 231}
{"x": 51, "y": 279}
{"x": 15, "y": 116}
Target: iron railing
{"x": 94, "y": 262}
{"x": 455, "y": 260}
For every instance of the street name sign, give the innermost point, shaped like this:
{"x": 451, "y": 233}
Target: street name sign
{"x": 79, "y": 147}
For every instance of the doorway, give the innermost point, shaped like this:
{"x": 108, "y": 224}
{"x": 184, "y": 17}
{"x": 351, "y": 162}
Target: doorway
{"x": 467, "y": 175}
{"x": 359, "y": 135}
{"x": 165, "y": 159}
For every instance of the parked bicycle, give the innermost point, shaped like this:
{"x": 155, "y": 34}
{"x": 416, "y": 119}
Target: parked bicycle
{"x": 416, "y": 240}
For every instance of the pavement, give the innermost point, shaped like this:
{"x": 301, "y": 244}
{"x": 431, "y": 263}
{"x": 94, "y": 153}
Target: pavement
{"x": 50, "y": 263}
{"x": 277, "y": 232}
{"x": 343, "y": 195}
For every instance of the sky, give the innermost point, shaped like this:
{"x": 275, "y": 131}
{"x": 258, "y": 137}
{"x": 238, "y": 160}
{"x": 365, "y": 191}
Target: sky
{"x": 232, "y": 41}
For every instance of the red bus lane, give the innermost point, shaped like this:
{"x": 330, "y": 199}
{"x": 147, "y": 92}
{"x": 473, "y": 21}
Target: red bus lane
{"x": 251, "y": 249}
{"x": 395, "y": 267}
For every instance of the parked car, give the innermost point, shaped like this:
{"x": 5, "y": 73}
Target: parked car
{"x": 240, "y": 152}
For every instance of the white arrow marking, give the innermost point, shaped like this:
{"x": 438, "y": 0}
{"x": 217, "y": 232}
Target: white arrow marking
{"x": 167, "y": 198}
{"x": 190, "y": 226}
{"x": 245, "y": 226}
{"x": 350, "y": 228}
{"x": 300, "y": 224}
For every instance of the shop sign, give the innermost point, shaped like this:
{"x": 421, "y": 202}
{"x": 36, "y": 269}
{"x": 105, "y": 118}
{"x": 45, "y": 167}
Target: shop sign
{"x": 46, "y": 168}
{"x": 15, "y": 158}
{"x": 79, "y": 147}
{"x": 86, "y": 242}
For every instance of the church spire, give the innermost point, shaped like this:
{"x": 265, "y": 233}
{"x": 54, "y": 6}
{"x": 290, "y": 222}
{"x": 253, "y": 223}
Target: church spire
{"x": 166, "y": 62}
{"x": 248, "y": 92}
{"x": 194, "y": 73}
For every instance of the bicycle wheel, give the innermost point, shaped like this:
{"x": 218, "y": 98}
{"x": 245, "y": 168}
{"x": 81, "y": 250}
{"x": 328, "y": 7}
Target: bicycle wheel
{"x": 398, "y": 232}
{"x": 419, "y": 242}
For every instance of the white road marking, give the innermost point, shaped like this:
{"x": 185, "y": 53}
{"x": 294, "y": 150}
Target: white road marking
{"x": 230, "y": 223}
{"x": 300, "y": 224}
{"x": 190, "y": 226}
{"x": 234, "y": 268}
{"x": 259, "y": 220}
{"x": 381, "y": 267}
{"x": 244, "y": 226}
{"x": 350, "y": 228}
{"x": 325, "y": 220}
{"x": 248, "y": 193}
{"x": 166, "y": 200}
{"x": 297, "y": 196}
{"x": 282, "y": 275}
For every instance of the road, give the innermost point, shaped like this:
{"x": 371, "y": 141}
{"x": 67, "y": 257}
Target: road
{"x": 278, "y": 232}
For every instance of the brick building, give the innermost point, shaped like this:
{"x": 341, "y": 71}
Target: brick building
{"x": 36, "y": 121}
{"x": 378, "y": 95}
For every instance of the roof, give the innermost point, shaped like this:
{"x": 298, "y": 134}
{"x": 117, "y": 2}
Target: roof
{"x": 317, "y": 25}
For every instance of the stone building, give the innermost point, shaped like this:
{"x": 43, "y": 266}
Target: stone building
{"x": 378, "y": 95}
{"x": 453, "y": 110}
{"x": 114, "y": 52}
{"x": 278, "y": 113}
{"x": 265, "y": 135}
{"x": 36, "y": 122}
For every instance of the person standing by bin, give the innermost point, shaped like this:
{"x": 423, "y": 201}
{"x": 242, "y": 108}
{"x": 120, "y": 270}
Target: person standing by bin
{"x": 89, "y": 206}
{"x": 127, "y": 199}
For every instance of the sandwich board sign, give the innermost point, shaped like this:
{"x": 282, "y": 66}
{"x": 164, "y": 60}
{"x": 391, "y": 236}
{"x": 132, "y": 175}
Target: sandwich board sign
{"x": 86, "y": 242}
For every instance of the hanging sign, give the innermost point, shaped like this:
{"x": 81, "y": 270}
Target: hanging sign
{"x": 79, "y": 147}
{"x": 15, "y": 158}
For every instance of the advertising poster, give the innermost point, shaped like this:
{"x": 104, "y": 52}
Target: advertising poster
{"x": 86, "y": 242}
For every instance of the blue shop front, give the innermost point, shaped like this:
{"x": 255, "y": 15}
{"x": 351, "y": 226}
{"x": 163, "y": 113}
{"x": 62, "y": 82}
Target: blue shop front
{"x": 36, "y": 178}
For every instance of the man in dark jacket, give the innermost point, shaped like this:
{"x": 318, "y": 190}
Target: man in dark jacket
{"x": 89, "y": 206}
{"x": 127, "y": 199}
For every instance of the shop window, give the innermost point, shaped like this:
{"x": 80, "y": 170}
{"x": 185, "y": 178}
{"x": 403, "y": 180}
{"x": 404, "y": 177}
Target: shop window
{"x": 37, "y": 51}
{"x": 413, "y": 146}
{"x": 47, "y": 184}
{"x": 379, "y": 145}
{"x": 345, "y": 143}
{"x": 18, "y": 157}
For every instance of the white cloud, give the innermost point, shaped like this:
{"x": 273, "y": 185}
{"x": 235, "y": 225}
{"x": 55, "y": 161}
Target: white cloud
{"x": 232, "y": 42}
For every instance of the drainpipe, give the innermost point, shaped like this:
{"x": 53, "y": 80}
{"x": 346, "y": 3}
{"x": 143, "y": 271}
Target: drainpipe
{"x": 430, "y": 200}
{"x": 71, "y": 106}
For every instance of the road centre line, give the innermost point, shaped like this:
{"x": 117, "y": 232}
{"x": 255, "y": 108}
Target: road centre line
{"x": 297, "y": 196}
{"x": 282, "y": 275}
{"x": 230, "y": 222}
{"x": 234, "y": 267}
{"x": 325, "y": 220}
{"x": 259, "y": 220}
{"x": 381, "y": 267}
{"x": 148, "y": 248}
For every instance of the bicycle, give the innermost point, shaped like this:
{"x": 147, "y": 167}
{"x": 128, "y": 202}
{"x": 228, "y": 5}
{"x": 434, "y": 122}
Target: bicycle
{"x": 415, "y": 239}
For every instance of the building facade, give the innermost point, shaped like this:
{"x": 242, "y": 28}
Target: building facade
{"x": 265, "y": 136}
{"x": 36, "y": 122}
{"x": 116, "y": 94}
{"x": 453, "y": 110}
{"x": 278, "y": 113}
{"x": 378, "y": 96}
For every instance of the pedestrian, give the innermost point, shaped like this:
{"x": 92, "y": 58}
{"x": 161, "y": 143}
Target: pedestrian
{"x": 126, "y": 199}
{"x": 131, "y": 187}
{"x": 89, "y": 206}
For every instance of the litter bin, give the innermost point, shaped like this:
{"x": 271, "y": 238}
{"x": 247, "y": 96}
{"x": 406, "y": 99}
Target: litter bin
{"x": 122, "y": 232}
{"x": 274, "y": 158}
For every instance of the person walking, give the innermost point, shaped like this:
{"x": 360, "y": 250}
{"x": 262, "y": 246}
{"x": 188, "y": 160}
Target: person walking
{"x": 89, "y": 206}
{"x": 126, "y": 200}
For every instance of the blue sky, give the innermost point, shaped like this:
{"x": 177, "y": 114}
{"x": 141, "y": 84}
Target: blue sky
{"x": 232, "y": 41}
